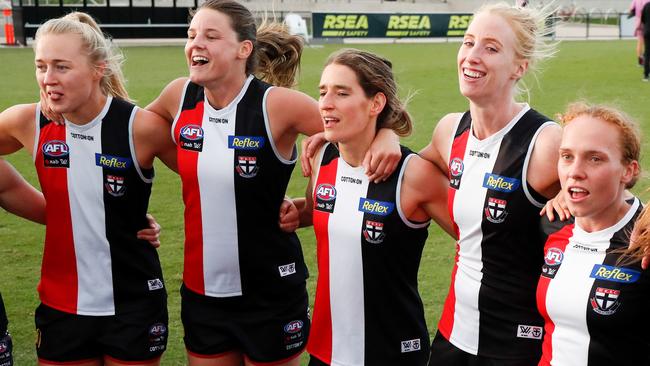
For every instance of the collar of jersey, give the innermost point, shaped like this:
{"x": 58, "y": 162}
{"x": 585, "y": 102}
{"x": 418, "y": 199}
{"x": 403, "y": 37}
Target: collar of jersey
{"x": 232, "y": 104}
{"x": 94, "y": 121}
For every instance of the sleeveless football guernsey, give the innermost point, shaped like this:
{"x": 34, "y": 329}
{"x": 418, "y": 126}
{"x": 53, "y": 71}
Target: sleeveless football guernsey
{"x": 97, "y": 197}
{"x": 367, "y": 310}
{"x": 234, "y": 181}
{"x": 595, "y": 307}
{"x": 490, "y": 308}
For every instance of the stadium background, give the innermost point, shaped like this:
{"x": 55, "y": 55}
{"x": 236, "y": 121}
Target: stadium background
{"x": 599, "y": 71}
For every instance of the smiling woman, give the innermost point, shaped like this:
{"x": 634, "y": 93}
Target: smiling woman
{"x": 490, "y": 309}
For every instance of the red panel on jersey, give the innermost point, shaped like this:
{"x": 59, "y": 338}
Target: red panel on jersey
{"x": 58, "y": 285}
{"x": 446, "y": 323}
{"x": 557, "y": 240}
{"x": 187, "y": 166}
{"x": 320, "y": 336}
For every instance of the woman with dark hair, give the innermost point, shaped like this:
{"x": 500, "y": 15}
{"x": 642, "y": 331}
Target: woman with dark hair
{"x": 370, "y": 236}
{"x": 244, "y": 281}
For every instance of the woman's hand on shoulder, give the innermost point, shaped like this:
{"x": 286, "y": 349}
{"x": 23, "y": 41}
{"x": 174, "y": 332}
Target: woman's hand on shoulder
{"x": 382, "y": 157}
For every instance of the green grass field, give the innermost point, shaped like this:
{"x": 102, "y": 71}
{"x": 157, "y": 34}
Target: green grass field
{"x": 596, "y": 71}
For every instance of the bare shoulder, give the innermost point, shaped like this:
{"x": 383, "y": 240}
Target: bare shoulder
{"x": 542, "y": 170}
{"x": 280, "y": 98}
{"x": 437, "y": 151}
{"x": 19, "y": 113}
{"x": 166, "y": 105}
{"x": 147, "y": 122}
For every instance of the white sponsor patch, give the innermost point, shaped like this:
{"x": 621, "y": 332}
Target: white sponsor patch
{"x": 287, "y": 269}
{"x": 155, "y": 284}
{"x": 529, "y": 331}
{"x": 411, "y": 345}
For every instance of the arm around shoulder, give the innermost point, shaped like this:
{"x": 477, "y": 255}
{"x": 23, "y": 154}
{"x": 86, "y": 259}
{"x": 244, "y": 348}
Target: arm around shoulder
{"x": 424, "y": 194}
{"x": 17, "y": 128}
{"x": 19, "y": 197}
{"x": 152, "y": 138}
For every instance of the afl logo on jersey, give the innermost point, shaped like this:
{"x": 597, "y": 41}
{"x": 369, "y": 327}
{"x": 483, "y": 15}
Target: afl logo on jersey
{"x": 191, "y": 138}
{"x": 325, "y": 197}
{"x": 294, "y": 326}
{"x": 456, "y": 168}
{"x": 552, "y": 261}
{"x": 553, "y": 257}
{"x": 56, "y": 154}
{"x": 373, "y": 232}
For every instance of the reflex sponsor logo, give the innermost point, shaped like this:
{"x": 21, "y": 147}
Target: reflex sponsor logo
{"x": 499, "y": 183}
{"x": 379, "y": 208}
{"x": 408, "y": 26}
{"x": 605, "y": 301}
{"x": 529, "y": 331}
{"x": 245, "y": 142}
{"x": 112, "y": 162}
{"x": 458, "y": 25}
{"x": 412, "y": 345}
{"x": 56, "y": 154}
{"x": 345, "y": 25}
{"x": 287, "y": 269}
{"x": 191, "y": 138}
{"x": 614, "y": 274}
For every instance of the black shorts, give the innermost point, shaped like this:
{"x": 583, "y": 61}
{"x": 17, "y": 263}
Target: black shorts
{"x": 134, "y": 337}
{"x": 443, "y": 353}
{"x": 263, "y": 333}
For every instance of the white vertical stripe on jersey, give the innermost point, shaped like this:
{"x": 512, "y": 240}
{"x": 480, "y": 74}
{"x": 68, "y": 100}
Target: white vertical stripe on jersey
{"x": 570, "y": 342}
{"x": 468, "y": 209}
{"x": 346, "y": 269}
{"x": 88, "y": 215}
{"x": 567, "y": 292}
{"x": 215, "y": 173}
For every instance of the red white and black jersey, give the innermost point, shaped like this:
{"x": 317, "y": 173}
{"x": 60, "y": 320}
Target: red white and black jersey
{"x": 490, "y": 308}
{"x": 97, "y": 197}
{"x": 234, "y": 181}
{"x": 595, "y": 307}
{"x": 367, "y": 309}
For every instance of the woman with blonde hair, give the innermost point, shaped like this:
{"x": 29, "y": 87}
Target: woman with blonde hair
{"x": 500, "y": 159}
{"x": 592, "y": 291}
{"x": 103, "y": 298}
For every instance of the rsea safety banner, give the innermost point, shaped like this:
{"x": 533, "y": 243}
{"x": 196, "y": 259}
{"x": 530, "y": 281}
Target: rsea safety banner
{"x": 386, "y": 25}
